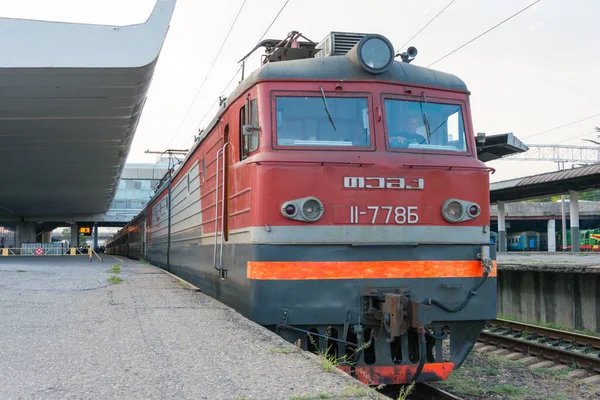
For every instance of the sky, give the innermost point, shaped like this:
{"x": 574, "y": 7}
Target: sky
{"x": 536, "y": 72}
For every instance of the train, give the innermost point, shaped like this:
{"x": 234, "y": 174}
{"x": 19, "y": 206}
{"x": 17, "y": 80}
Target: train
{"x": 494, "y": 239}
{"x": 589, "y": 240}
{"x": 337, "y": 199}
{"x": 523, "y": 241}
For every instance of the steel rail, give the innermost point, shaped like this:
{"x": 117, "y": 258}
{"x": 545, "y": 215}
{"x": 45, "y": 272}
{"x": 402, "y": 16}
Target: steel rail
{"x": 555, "y": 334}
{"x": 425, "y": 391}
{"x": 543, "y": 351}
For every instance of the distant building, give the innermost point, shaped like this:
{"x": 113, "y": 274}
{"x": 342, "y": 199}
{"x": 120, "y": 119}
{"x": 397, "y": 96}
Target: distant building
{"x": 136, "y": 187}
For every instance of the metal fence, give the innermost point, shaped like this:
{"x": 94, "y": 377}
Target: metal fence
{"x": 47, "y": 249}
{"x": 44, "y": 249}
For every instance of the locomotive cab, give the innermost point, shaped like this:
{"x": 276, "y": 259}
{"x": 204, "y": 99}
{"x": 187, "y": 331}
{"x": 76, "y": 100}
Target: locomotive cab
{"x": 370, "y": 223}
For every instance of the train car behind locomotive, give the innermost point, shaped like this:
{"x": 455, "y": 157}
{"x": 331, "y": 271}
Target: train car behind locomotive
{"x": 131, "y": 240}
{"x": 337, "y": 198}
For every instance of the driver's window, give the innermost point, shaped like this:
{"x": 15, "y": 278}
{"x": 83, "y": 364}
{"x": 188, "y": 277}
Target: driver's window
{"x": 424, "y": 125}
{"x": 405, "y": 123}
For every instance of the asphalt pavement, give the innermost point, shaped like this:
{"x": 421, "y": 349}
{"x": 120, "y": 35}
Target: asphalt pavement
{"x": 66, "y": 333}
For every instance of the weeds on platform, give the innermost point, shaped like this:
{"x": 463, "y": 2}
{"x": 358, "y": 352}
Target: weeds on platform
{"x": 354, "y": 390}
{"x": 114, "y": 280}
{"x": 21, "y": 270}
{"x": 406, "y": 391}
{"x": 144, "y": 261}
{"x": 116, "y": 269}
{"x": 282, "y": 351}
{"x": 311, "y": 396}
{"x": 328, "y": 358}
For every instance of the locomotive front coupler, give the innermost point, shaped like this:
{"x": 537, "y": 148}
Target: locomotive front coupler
{"x": 395, "y": 310}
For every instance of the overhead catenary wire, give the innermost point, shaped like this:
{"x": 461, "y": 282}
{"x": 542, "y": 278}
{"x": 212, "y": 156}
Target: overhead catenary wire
{"x": 214, "y": 104}
{"x": 208, "y": 73}
{"x": 427, "y": 24}
{"x": 563, "y": 126}
{"x": 274, "y": 19}
{"x": 577, "y": 137}
{"x": 482, "y": 34}
{"x": 235, "y": 74}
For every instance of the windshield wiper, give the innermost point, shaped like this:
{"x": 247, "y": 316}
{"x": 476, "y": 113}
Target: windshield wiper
{"x": 327, "y": 108}
{"x": 425, "y": 121}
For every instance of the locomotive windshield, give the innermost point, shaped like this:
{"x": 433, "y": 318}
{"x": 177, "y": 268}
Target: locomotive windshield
{"x": 305, "y": 121}
{"x": 425, "y": 126}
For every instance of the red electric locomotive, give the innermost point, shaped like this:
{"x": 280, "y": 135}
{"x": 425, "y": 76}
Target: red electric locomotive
{"x": 337, "y": 198}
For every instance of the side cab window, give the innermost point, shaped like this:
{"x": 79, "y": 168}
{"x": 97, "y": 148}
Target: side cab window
{"x": 248, "y": 128}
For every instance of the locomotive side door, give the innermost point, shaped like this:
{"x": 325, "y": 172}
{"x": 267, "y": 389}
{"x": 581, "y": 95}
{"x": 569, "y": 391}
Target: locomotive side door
{"x": 245, "y": 142}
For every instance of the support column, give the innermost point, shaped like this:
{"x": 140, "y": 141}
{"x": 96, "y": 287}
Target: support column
{"x": 574, "y": 203}
{"x": 46, "y": 237}
{"x": 95, "y": 236}
{"x": 551, "y": 235}
{"x": 501, "y": 227}
{"x": 25, "y": 233}
{"x": 564, "y": 224}
{"x": 74, "y": 236}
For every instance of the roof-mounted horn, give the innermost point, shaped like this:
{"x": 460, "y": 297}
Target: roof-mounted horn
{"x": 408, "y": 55}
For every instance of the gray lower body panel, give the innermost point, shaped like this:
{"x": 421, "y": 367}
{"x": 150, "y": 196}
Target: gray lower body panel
{"x": 322, "y": 306}
{"x": 264, "y": 300}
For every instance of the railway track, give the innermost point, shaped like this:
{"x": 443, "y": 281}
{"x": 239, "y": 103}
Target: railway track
{"x": 583, "y": 341}
{"x": 421, "y": 391}
{"x": 425, "y": 391}
{"x": 545, "y": 344}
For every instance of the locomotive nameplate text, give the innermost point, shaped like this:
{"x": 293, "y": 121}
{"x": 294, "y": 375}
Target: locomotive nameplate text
{"x": 355, "y": 182}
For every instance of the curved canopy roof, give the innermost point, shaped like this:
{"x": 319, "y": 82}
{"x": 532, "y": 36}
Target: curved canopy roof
{"x": 550, "y": 183}
{"x": 71, "y": 97}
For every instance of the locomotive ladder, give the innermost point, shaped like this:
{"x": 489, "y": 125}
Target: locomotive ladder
{"x": 219, "y": 236}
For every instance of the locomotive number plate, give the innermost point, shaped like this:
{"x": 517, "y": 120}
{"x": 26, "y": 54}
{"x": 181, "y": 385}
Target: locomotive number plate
{"x": 384, "y": 215}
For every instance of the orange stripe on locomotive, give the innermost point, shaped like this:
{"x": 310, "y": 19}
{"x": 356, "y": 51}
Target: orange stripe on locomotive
{"x": 306, "y": 270}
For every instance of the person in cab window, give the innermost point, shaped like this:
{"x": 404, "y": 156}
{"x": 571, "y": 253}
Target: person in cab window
{"x": 409, "y": 133}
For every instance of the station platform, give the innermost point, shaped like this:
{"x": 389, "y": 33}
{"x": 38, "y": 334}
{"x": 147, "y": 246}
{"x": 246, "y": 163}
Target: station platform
{"x": 69, "y": 333}
{"x": 584, "y": 262}
{"x": 561, "y": 289}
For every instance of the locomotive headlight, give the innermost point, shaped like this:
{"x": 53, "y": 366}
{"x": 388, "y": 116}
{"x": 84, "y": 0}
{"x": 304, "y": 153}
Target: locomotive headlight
{"x": 453, "y": 210}
{"x": 312, "y": 209}
{"x": 306, "y": 209}
{"x": 373, "y": 53}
